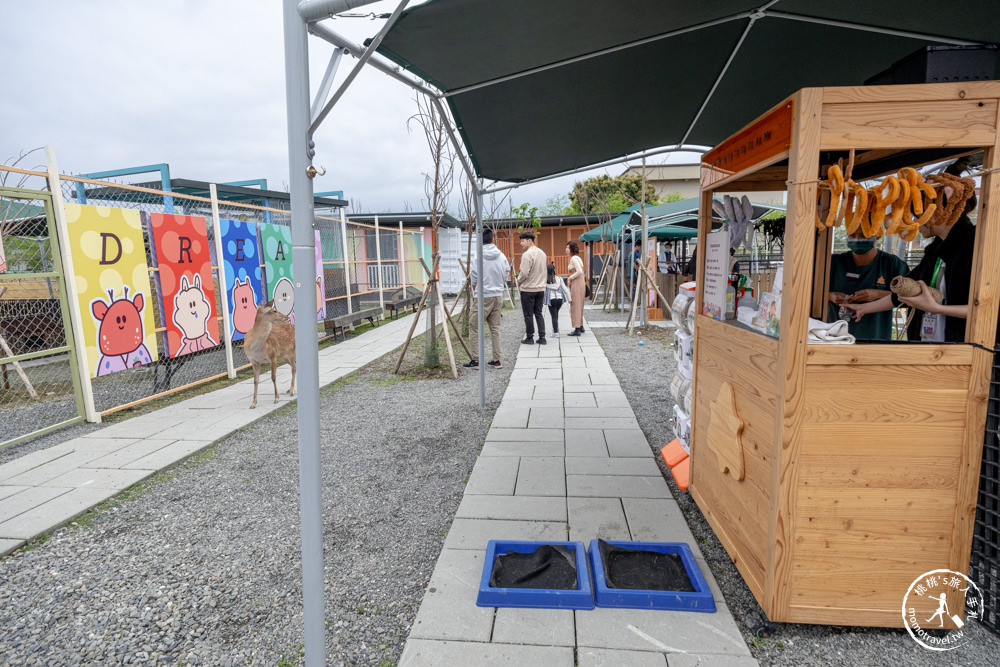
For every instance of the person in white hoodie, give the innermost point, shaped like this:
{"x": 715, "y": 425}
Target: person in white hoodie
{"x": 495, "y": 271}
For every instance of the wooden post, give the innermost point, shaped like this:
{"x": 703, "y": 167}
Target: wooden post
{"x": 223, "y": 295}
{"x": 378, "y": 265}
{"x": 416, "y": 318}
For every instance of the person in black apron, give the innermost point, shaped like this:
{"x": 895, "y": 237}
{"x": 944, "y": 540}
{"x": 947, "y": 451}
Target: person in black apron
{"x": 946, "y": 266}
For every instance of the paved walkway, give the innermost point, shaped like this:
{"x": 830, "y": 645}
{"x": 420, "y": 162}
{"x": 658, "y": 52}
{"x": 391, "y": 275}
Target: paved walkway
{"x": 48, "y": 488}
{"x": 564, "y": 460}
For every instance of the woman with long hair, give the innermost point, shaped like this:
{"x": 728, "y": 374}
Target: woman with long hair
{"x": 577, "y": 287}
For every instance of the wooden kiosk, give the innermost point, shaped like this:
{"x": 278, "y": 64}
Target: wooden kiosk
{"x": 835, "y": 475}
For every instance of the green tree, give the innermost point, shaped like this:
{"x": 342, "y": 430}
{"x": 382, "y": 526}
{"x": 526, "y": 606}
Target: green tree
{"x": 603, "y": 194}
{"x": 557, "y": 204}
{"x": 527, "y": 213}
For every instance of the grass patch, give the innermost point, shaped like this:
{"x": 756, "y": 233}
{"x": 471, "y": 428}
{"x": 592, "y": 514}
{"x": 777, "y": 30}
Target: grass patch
{"x": 762, "y": 642}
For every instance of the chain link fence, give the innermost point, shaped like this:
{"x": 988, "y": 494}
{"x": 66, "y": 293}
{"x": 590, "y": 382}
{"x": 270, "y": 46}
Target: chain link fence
{"x": 362, "y": 267}
{"x": 38, "y": 385}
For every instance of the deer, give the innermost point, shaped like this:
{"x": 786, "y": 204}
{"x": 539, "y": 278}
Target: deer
{"x": 270, "y": 338}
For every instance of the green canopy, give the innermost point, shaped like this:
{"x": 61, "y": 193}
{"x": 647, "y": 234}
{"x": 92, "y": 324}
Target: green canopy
{"x": 538, "y": 88}
{"x": 676, "y": 220}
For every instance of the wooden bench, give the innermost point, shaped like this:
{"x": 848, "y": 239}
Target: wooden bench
{"x": 397, "y": 305}
{"x": 341, "y": 322}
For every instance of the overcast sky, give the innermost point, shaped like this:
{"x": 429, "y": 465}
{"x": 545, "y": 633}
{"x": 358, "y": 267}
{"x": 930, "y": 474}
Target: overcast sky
{"x": 199, "y": 84}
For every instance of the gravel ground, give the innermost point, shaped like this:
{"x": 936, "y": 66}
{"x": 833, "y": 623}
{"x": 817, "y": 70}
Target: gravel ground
{"x": 200, "y": 565}
{"x": 645, "y": 372}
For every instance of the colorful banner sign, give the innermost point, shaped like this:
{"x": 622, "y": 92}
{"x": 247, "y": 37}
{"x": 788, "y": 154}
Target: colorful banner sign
{"x": 112, "y": 282}
{"x": 276, "y": 242}
{"x": 241, "y": 266}
{"x": 184, "y": 268}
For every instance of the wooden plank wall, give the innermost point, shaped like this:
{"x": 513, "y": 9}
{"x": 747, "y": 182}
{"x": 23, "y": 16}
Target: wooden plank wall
{"x": 877, "y": 473}
{"x": 737, "y": 510}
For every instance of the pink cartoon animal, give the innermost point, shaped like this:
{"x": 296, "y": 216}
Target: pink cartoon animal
{"x": 191, "y": 314}
{"x": 120, "y": 334}
{"x": 320, "y": 301}
{"x": 244, "y": 308}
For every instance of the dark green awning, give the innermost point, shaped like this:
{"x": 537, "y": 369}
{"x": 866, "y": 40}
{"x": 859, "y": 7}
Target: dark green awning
{"x": 538, "y": 88}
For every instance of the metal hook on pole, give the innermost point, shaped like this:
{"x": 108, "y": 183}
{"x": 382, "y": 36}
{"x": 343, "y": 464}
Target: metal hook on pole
{"x": 312, "y": 171}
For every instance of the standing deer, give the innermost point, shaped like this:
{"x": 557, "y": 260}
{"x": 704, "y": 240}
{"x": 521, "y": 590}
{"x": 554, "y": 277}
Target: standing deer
{"x": 271, "y": 338}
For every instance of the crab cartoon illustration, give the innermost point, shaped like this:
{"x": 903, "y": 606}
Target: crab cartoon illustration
{"x": 191, "y": 314}
{"x": 120, "y": 332}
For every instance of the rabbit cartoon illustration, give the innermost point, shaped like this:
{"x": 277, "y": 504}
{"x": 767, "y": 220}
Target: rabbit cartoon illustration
{"x": 191, "y": 313}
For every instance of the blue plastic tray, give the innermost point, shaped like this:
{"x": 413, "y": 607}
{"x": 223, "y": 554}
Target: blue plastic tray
{"x": 700, "y": 600}
{"x": 535, "y": 598}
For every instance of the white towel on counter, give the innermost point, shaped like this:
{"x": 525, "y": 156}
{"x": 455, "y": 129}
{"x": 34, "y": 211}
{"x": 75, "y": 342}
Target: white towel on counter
{"x": 833, "y": 333}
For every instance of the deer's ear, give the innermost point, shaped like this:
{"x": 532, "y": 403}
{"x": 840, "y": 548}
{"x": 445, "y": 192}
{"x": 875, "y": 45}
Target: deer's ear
{"x": 138, "y": 301}
{"x": 100, "y": 309}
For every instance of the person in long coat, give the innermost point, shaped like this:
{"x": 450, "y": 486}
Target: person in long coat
{"x": 577, "y": 287}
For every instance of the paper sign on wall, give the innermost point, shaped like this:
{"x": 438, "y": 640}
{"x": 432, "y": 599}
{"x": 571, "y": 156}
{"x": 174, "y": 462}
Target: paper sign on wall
{"x": 112, "y": 281}
{"x": 184, "y": 268}
{"x": 241, "y": 259}
{"x": 716, "y": 276}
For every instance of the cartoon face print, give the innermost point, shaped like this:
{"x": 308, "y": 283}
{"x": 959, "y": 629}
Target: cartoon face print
{"x": 319, "y": 296}
{"x": 191, "y": 308}
{"x": 284, "y": 298}
{"x": 244, "y": 306}
{"x": 120, "y": 331}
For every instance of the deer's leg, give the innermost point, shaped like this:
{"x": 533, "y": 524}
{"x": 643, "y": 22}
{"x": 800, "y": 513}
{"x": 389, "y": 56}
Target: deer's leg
{"x": 291, "y": 389}
{"x": 256, "y": 379}
{"x": 274, "y": 376}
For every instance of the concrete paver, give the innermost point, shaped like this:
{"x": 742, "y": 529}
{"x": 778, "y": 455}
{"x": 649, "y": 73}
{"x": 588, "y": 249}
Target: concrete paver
{"x": 564, "y": 458}
{"x": 603, "y": 482}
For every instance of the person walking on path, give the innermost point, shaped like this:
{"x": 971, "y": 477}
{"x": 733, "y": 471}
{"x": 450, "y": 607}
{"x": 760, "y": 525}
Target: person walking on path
{"x": 577, "y": 287}
{"x": 555, "y": 294}
{"x": 531, "y": 284}
{"x": 495, "y": 270}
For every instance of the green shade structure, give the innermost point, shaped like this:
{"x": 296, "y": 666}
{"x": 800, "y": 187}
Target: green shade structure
{"x": 538, "y": 88}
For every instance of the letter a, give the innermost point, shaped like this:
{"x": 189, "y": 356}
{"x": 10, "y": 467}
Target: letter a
{"x": 280, "y": 252}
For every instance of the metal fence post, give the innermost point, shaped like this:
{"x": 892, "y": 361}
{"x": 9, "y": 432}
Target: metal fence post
{"x": 347, "y": 266}
{"x": 378, "y": 264}
{"x": 72, "y": 296}
{"x": 224, "y": 296}
{"x": 402, "y": 261}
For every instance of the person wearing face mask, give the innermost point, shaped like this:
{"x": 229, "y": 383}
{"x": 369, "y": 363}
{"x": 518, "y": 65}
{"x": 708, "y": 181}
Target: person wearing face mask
{"x": 862, "y": 275}
{"x": 946, "y": 266}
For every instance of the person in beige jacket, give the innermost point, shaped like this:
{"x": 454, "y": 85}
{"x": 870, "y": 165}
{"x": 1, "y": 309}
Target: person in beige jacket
{"x": 531, "y": 284}
{"x": 577, "y": 287}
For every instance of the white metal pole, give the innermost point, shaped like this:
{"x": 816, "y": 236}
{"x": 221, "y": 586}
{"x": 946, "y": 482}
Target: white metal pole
{"x": 223, "y": 294}
{"x": 306, "y": 345}
{"x": 479, "y": 295}
{"x": 378, "y": 264}
{"x": 645, "y": 260}
{"x": 90, "y": 412}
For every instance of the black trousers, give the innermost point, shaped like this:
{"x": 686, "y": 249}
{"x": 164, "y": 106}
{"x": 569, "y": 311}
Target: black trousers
{"x": 531, "y": 306}
{"x": 554, "y": 306}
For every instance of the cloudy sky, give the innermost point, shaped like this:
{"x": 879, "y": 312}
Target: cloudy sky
{"x": 199, "y": 84}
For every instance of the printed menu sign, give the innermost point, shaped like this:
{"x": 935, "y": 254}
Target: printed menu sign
{"x": 716, "y": 275}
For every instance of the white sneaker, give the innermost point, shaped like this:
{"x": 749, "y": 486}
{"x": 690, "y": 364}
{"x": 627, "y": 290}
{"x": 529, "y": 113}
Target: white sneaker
{"x": 555, "y": 334}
